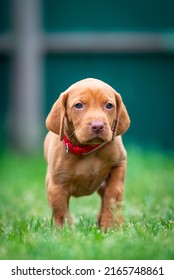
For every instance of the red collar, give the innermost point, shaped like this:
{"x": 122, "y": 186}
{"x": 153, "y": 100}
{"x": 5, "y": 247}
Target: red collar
{"x": 82, "y": 151}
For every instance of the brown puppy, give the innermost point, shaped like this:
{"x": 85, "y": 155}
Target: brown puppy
{"x": 84, "y": 150}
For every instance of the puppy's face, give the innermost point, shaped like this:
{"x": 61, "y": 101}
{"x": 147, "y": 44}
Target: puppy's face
{"x": 90, "y": 111}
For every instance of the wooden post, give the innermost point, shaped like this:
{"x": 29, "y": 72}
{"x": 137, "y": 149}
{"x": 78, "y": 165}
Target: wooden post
{"x": 26, "y": 78}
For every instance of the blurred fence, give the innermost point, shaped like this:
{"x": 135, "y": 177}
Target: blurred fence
{"x": 47, "y": 45}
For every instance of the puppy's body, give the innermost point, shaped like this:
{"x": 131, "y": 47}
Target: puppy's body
{"x": 82, "y": 175}
{"x": 85, "y": 116}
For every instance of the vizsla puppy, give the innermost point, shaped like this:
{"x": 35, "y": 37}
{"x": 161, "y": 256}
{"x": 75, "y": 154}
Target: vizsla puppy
{"x": 84, "y": 150}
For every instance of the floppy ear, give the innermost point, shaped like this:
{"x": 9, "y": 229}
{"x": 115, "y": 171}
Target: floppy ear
{"x": 55, "y": 119}
{"x": 122, "y": 118}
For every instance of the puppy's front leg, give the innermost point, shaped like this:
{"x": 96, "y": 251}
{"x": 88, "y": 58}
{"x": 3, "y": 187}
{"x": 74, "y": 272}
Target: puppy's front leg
{"x": 112, "y": 195}
{"x": 58, "y": 197}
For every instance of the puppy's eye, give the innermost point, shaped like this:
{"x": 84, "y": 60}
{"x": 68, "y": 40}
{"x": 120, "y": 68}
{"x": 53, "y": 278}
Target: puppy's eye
{"x": 109, "y": 106}
{"x": 78, "y": 106}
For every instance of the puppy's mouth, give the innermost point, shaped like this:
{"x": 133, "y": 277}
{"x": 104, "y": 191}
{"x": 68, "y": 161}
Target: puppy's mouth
{"x": 88, "y": 137}
{"x": 95, "y": 140}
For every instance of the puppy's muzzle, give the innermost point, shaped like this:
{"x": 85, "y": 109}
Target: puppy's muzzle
{"x": 97, "y": 127}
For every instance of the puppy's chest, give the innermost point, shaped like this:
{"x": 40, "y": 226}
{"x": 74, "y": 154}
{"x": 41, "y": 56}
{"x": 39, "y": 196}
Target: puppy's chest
{"x": 85, "y": 177}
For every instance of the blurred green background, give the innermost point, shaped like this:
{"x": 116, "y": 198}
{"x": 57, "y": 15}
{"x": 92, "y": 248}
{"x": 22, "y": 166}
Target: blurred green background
{"x": 45, "y": 46}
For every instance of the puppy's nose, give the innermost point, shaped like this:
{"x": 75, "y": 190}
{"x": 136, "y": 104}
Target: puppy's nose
{"x": 97, "y": 126}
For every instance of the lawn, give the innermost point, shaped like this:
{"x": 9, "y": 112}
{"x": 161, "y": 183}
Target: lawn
{"x": 26, "y": 230}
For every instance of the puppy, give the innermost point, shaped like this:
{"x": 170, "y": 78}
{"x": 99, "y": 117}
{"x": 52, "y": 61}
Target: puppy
{"x": 84, "y": 150}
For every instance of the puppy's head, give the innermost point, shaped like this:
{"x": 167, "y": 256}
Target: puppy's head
{"x": 90, "y": 112}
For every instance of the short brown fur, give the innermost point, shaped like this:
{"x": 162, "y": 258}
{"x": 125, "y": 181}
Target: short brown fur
{"x": 104, "y": 170}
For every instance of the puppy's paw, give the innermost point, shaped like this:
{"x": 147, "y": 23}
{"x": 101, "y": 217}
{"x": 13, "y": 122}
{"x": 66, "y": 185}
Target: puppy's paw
{"x": 109, "y": 221}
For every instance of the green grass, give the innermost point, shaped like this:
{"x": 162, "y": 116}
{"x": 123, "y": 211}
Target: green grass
{"x": 26, "y": 230}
